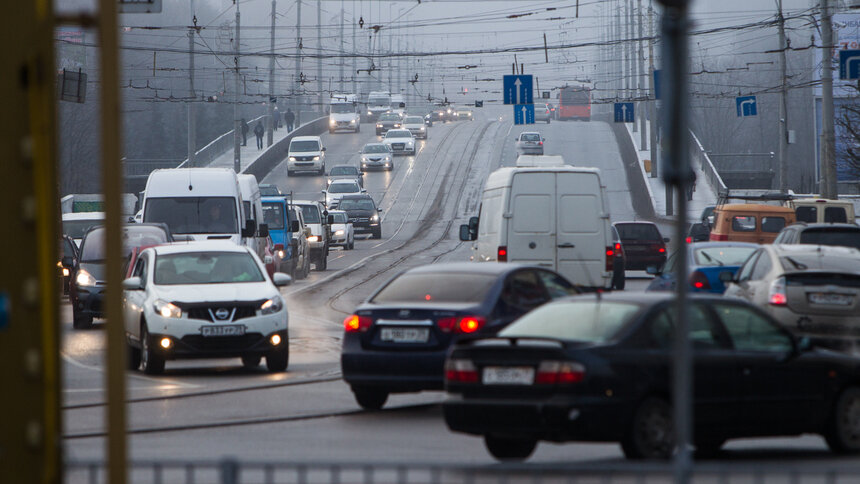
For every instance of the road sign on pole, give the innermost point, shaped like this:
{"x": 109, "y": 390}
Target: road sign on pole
{"x": 624, "y": 112}
{"x": 524, "y": 114}
{"x": 849, "y": 64}
{"x": 746, "y": 106}
{"x": 518, "y": 89}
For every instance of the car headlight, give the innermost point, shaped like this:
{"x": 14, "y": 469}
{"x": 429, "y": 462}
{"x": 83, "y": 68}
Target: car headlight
{"x": 351, "y": 121}
{"x": 65, "y": 272}
{"x": 314, "y": 238}
{"x": 272, "y": 305}
{"x": 374, "y": 218}
{"x": 316, "y": 158}
{"x": 387, "y": 158}
{"x": 369, "y": 113}
{"x": 378, "y": 125}
{"x": 282, "y": 254}
{"x": 396, "y": 125}
{"x": 166, "y": 309}
{"x": 338, "y": 232}
{"x": 422, "y": 128}
{"x": 332, "y": 122}
{"x": 292, "y": 158}
{"x": 85, "y": 279}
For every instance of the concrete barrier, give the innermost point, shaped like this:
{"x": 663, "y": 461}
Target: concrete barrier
{"x": 275, "y": 154}
{"x": 217, "y": 147}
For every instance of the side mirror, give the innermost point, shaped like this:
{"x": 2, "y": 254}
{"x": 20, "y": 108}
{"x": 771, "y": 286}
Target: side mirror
{"x": 473, "y": 224}
{"x": 279, "y": 247}
{"x": 363, "y": 190}
{"x": 466, "y": 233}
{"x": 323, "y": 148}
{"x": 666, "y": 239}
{"x": 67, "y": 261}
{"x": 264, "y": 230}
{"x": 294, "y": 226}
{"x": 280, "y": 279}
{"x": 132, "y": 284}
{"x": 250, "y": 228}
{"x": 379, "y": 210}
{"x": 543, "y": 139}
{"x": 308, "y": 232}
{"x": 727, "y": 277}
{"x": 329, "y": 220}
{"x": 653, "y": 270}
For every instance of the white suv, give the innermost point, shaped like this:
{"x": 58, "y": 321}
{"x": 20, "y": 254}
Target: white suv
{"x": 306, "y": 153}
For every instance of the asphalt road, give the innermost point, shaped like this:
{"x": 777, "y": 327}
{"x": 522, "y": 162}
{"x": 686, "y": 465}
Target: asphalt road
{"x": 208, "y": 409}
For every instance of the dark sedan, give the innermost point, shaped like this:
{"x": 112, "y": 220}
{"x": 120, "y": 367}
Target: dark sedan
{"x": 592, "y": 368}
{"x": 396, "y": 341}
{"x": 643, "y": 245}
{"x": 362, "y": 213}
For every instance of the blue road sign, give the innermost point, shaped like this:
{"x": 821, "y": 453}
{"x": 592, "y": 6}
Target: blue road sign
{"x": 849, "y": 64}
{"x": 624, "y": 113}
{"x": 518, "y": 89}
{"x": 746, "y": 106}
{"x": 524, "y": 114}
{"x": 657, "y": 83}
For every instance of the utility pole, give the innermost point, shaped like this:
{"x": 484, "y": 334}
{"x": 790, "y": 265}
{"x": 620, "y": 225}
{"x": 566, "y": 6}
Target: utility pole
{"x": 270, "y": 136}
{"x": 319, "y": 56}
{"x": 192, "y": 96}
{"x": 652, "y": 102}
{"x": 828, "y": 137}
{"x": 297, "y": 85}
{"x": 783, "y": 106}
{"x": 353, "y": 73}
{"x": 237, "y": 150}
{"x": 631, "y": 61}
{"x": 643, "y": 141}
{"x": 342, "y": 59}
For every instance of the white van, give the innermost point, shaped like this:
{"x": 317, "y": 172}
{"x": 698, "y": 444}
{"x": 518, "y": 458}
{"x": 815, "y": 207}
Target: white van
{"x": 252, "y": 210}
{"x": 398, "y": 104}
{"x": 546, "y": 213}
{"x": 306, "y": 153}
{"x": 343, "y": 113}
{"x": 200, "y": 203}
{"x": 378, "y": 102}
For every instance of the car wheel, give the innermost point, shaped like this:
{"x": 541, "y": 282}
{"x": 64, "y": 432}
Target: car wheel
{"x": 307, "y": 269}
{"x": 133, "y": 358}
{"x": 278, "y": 360}
{"x": 370, "y": 398}
{"x": 843, "y": 434}
{"x": 81, "y": 321}
{"x": 651, "y": 434}
{"x": 618, "y": 280}
{"x": 151, "y": 362}
{"x": 321, "y": 263}
{"x": 290, "y": 172}
{"x": 377, "y": 233}
{"x": 509, "y": 448}
{"x": 351, "y": 244}
{"x": 251, "y": 361}
{"x": 358, "y": 129}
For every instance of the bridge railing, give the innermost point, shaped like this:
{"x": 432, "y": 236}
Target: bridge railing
{"x": 699, "y": 156}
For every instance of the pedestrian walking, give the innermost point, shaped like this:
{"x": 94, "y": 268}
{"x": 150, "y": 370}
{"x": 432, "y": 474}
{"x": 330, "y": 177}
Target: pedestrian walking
{"x": 245, "y": 129}
{"x": 289, "y": 117}
{"x": 276, "y": 115}
{"x": 691, "y": 187}
{"x": 259, "y": 130}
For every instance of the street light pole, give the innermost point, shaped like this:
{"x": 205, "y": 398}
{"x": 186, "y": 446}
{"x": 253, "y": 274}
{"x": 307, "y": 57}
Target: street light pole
{"x": 828, "y": 137}
{"x": 237, "y": 150}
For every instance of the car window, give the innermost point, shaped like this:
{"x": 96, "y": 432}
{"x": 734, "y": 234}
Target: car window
{"x": 339, "y": 218}
{"x": 556, "y": 286}
{"x": 746, "y": 270}
{"x": 398, "y": 134}
{"x": 743, "y": 223}
{"x": 671, "y": 263}
{"x": 310, "y": 213}
{"x": 273, "y": 215}
{"x": 762, "y": 267}
{"x": 530, "y": 137}
{"x": 722, "y": 256}
{"x": 806, "y": 214}
{"x": 356, "y": 204}
{"x": 844, "y": 237}
{"x": 772, "y": 224}
{"x": 140, "y": 270}
{"x": 435, "y": 288}
{"x": 750, "y": 331}
{"x": 69, "y": 248}
{"x": 344, "y": 188}
{"x": 375, "y": 149}
{"x": 582, "y": 320}
{"x": 704, "y": 333}
{"x": 206, "y": 268}
{"x": 638, "y": 232}
{"x": 522, "y": 292}
{"x": 304, "y": 146}
{"x": 835, "y": 215}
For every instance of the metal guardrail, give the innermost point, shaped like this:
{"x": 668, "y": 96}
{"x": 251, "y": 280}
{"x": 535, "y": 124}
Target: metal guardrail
{"x": 216, "y": 147}
{"x": 700, "y": 156}
{"x": 231, "y": 471}
{"x": 269, "y": 159}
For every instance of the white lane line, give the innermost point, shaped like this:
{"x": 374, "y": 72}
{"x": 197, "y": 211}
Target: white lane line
{"x": 160, "y": 381}
{"x": 97, "y": 390}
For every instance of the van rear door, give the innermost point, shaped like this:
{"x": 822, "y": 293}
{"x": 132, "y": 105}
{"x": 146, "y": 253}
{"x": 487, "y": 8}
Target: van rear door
{"x": 581, "y": 222}
{"x": 531, "y": 220}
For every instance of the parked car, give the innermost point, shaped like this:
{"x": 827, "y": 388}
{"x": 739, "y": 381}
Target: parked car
{"x": 337, "y": 189}
{"x": 400, "y": 141}
{"x": 644, "y": 245}
{"x": 376, "y": 155}
{"x": 209, "y": 299}
{"x": 387, "y": 121}
{"x": 706, "y": 261}
{"x": 746, "y": 222}
{"x": 600, "y": 370}
{"x": 845, "y": 235}
{"x": 342, "y": 232}
{"x": 362, "y": 213}
{"x": 345, "y": 172}
{"x": 619, "y": 278}
{"x": 529, "y": 143}
{"x": 397, "y": 339}
{"x": 813, "y": 290}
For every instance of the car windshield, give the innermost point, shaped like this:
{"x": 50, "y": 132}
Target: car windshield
{"x": 638, "y": 232}
{"x": 530, "y": 137}
{"x": 378, "y": 101}
{"x": 269, "y": 191}
{"x": 592, "y": 321}
{"x": 722, "y": 256}
{"x": 342, "y": 108}
{"x": 356, "y": 204}
{"x": 398, "y": 134}
{"x": 311, "y": 214}
{"x": 344, "y": 188}
{"x": 77, "y": 228}
{"x": 389, "y": 117}
{"x": 343, "y": 170}
{"x": 206, "y": 268}
{"x": 375, "y": 149}
{"x": 194, "y": 215}
{"x": 339, "y": 218}
{"x": 813, "y": 260}
{"x": 843, "y": 237}
{"x": 273, "y": 215}
{"x": 413, "y": 120}
{"x": 570, "y": 96}
{"x": 93, "y": 246}
{"x": 304, "y": 146}
{"x": 436, "y": 288}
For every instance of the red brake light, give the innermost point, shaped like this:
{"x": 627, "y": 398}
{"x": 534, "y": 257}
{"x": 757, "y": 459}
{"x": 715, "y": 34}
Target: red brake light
{"x": 559, "y": 372}
{"x": 502, "y": 254}
{"x": 355, "y": 323}
{"x": 699, "y": 281}
{"x": 661, "y": 250}
{"x": 688, "y": 240}
{"x": 462, "y": 324}
{"x": 461, "y": 371}
{"x": 777, "y": 295}
{"x": 610, "y": 259}
{"x": 778, "y": 299}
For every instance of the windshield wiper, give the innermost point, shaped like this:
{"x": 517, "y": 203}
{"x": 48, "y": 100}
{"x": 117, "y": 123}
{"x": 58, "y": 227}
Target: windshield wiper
{"x": 797, "y": 265}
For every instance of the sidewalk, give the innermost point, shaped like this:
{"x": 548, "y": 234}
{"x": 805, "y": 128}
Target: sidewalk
{"x": 703, "y": 196}
{"x": 250, "y": 152}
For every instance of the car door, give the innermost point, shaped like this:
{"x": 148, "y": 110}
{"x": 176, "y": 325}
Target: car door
{"x": 532, "y": 219}
{"x": 780, "y": 390}
{"x": 740, "y": 286}
{"x": 582, "y": 228}
{"x": 134, "y": 300}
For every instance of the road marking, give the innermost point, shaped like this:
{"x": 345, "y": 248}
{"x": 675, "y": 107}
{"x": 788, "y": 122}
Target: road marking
{"x": 160, "y": 381}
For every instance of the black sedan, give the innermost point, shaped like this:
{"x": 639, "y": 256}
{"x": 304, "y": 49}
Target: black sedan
{"x": 597, "y": 368}
{"x": 362, "y": 213}
{"x": 396, "y": 341}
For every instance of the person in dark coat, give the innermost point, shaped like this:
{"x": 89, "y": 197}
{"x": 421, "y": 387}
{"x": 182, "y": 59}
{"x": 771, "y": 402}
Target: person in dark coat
{"x": 276, "y": 115}
{"x": 259, "y": 130}
{"x": 289, "y": 117}
{"x": 245, "y": 129}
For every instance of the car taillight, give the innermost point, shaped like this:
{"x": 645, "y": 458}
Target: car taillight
{"x": 559, "y": 372}
{"x": 661, "y": 249}
{"x": 461, "y": 371}
{"x": 461, "y": 324}
{"x": 502, "y": 255}
{"x": 610, "y": 258}
{"x": 699, "y": 281}
{"x": 618, "y": 252}
{"x": 357, "y": 324}
{"x": 777, "y": 295}
{"x": 719, "y": 237}
{"x": 688, "y": 240}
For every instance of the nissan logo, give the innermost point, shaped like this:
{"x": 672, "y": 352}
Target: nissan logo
{"x": 222, "y": 313}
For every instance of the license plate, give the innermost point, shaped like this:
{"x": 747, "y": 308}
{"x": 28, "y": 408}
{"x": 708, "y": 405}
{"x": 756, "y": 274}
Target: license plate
{"x": 830, "y": 298}
{"x": 223, "y": 330}
{"x": 405, "y": 335}
{"x": 508, "y": 375}
{"x": 397, "y": 146}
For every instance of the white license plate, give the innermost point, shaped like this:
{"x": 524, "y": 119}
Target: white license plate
{"x": 405, "y": 335}
{"x": 508, "y": 375}
{"x": 223, "y": 330}
{"x": 830, "y": 298}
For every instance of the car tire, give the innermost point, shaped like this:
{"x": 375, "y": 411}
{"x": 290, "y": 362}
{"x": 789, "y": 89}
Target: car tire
{"x": 509, "y": 448}
{"x": 351, "y": 244}
{"x": 251, "y": 361}
{"x": 307, "y": 270}
{"x": 81, "y": 321}
{"x": 278, "y": 360}
{"x": 151, "y": 362}
{"x": 133, "y": 358}
{"x": 843, "y": 432}
{"x": 321, "y": 263}
{"x": 619, "y": 280}
{"x": 358, "y": 129}
{"x": 290, "y": 172}
{"x": 377, "y": 233}
{"x": 652, "y": 433}
{"x": 370, "y": 398}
